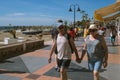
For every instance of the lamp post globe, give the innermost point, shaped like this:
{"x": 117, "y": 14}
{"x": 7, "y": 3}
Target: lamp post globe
{"x": 74, "y": 11}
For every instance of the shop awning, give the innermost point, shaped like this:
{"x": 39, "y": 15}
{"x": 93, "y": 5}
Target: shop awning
{"x": 112, "y": 17}
{"x": 98, "y": 17}
{"x": 105, "y": 11}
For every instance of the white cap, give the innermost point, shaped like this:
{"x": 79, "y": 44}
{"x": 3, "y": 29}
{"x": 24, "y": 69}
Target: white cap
{"x": 58, "y": 25}
{"x": 93, "y": 26}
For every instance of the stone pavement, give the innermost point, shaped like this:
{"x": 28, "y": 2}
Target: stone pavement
{"x": 34, "y": 66}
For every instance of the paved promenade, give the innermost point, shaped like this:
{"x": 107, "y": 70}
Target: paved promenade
{"x": 34, "y": 66}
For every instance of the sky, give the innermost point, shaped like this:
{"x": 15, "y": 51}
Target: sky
{"x": 46, "y": 12}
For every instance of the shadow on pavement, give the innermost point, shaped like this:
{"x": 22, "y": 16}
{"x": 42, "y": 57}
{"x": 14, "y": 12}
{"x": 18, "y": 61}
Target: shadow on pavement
{"x": 75, "y": 72}
{"x": 22, "y": 64}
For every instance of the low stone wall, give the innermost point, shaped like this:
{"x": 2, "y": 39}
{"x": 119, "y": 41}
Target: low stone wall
{"x": 13, "y": 50}
{"x": 33, "y": 45}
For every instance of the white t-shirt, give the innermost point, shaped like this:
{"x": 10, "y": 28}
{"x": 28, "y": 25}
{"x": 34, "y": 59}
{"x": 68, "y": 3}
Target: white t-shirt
{"x": 100, "y": 32}
{"x": 63, "y": 47}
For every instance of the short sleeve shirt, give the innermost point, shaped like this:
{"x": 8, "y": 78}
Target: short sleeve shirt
{"x": 94, "y": 47}
{"x": 63, "y": 47}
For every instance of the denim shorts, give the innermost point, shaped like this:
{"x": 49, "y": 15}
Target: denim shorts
{"x": 95, "y": 65}
{"x": 64, "y": 63}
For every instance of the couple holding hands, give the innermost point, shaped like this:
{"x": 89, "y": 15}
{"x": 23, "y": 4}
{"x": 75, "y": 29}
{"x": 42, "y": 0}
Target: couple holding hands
{"x": 94, "y": 46}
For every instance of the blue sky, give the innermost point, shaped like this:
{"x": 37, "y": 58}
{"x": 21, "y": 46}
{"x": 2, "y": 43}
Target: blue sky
{"x": 45, "y": 12}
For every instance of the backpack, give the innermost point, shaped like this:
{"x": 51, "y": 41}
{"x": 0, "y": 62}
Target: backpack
{"x": 68, "y": 37}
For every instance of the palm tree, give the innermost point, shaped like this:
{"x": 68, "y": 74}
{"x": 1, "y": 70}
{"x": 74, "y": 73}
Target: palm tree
{"x": 86, "y": 17}
{"x": 13, "y": 32}
{"x": 83, "y": 13}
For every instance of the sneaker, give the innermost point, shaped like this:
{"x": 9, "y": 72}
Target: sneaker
{"x": 57, "y": 68}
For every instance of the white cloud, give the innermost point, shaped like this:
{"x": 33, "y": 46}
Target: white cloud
{"x": 43, "y": 15}
{"x": 48, "y": 16}
{"x": 16, "y": 14}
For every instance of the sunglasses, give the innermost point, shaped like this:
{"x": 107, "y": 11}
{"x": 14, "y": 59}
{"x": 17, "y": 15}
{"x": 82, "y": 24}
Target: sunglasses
{"x": 92, "y": 30}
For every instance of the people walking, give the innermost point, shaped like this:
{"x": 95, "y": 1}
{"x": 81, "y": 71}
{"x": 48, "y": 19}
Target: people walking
{"x": 64, "y": 51}
{"x": 76, "y": 33}
{"x": 71, "y": 32}
{"x": 86, "y": 32}
{"x": 113, "y": 34}
{"x": 101, "y": 31}
{"x": 97, "y": 51}
{"x": 54, "y": 33}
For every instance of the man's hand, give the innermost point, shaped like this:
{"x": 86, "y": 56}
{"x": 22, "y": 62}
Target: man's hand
{"x": 49, "y": 60}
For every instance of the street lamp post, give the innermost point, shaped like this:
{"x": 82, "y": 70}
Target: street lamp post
{"x": 74, "y": 10}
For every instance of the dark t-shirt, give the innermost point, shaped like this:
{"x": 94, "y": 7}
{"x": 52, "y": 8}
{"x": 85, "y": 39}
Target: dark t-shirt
{"x": 54, "y": 32}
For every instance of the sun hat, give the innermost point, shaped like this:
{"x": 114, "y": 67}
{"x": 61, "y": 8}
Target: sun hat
{"x": 93, "y": 26}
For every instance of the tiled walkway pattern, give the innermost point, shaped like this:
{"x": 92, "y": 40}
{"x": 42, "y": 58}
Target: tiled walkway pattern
{"x": 34, "y": 66}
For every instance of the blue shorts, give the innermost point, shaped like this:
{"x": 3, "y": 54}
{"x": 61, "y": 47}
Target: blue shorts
{"x": 95, "y": 65}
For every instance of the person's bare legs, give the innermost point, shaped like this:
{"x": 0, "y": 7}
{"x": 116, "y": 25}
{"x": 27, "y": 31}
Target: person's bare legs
{"x": 96, "y": 75}
{"x": 63, "y": 74}
{"x": 56, "y": 60}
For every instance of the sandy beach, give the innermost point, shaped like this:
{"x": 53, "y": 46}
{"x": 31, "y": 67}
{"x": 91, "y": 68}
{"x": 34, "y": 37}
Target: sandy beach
{"x": 19, "y": 34}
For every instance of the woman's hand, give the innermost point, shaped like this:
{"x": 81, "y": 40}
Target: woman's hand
{"x": 105, "y": 64}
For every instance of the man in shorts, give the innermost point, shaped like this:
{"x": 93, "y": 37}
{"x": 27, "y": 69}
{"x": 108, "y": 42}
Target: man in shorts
{"x": 64, "y": 51}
